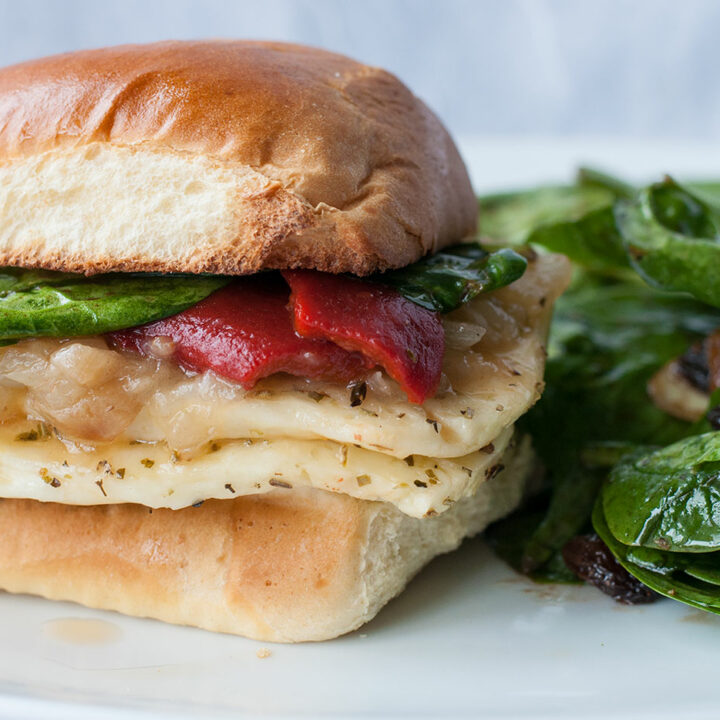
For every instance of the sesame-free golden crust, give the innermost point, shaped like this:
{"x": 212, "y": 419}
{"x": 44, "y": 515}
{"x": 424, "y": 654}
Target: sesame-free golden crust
{"x": 275, "y": 567}
{"x": 359, "y": 174}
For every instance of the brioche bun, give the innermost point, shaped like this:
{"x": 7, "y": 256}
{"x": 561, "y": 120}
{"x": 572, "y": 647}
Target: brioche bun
{"x": 225, "y": 157}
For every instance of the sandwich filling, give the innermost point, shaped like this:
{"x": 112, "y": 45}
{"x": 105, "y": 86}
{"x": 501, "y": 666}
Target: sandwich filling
{"x": 168, "y": 414}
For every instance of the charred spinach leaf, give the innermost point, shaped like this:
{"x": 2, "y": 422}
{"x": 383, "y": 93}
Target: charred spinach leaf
{"x": 448, "y": 279}
{"x": 35, "y": 303}
{"x": 17, "y": 279}
{"x": 667, "y": 499}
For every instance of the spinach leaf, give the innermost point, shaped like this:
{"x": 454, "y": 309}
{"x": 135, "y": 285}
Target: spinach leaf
{"x": 448, "y": 279}
{"x": 593, "y": 241}
{"x": 607, "y": 340}
{"x": 605, "y": 454}
{"x": 592, "y": 177}
{"x": 669, "y": 498}
{"x": 509, "y": 218}
{"x": 610, "y": 334}
{"x": 680, "y": 576}
{"x": 669, "y": 234}
{"x": 708, "y": 572}
{"x": 566, "y": 515}
{"x": 15, "y": 279}
{"x": 509, "y": 539}
{"x": 36, "y": 303}
{"x": 672, "y": 239}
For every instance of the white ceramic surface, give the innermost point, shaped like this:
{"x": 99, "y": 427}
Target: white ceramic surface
{"x": 467, "y": 638}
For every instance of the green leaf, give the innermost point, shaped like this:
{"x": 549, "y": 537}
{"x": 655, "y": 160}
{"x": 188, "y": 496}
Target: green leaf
{"x": 610, "y": 334}
{"x": 448, "y": 279}
{"x": 36, "y": 303}
{"x": 709, "y": 190}
{"x": 607, "y": 340}
{"x": 509, "y": 218}
{"x": 594, "y": 178}
{"x": 605, "y": 454}
{"x": 674, "y": 575}
{"x": 567, "y": 513}
{"x": 667, "y": 499}
{"x": 593, "y": 241}
{"x": 509, "y": 538}
{"x": 672, "y": 239}
{"x": 16, "y": 279}
{"x": 669, "y": 234}
{"x": 709, "y": 575}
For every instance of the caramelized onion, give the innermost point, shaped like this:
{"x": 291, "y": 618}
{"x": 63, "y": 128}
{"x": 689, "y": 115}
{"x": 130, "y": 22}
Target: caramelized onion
{"x": 80, "y": 387}
{"x": 462, "y": 335}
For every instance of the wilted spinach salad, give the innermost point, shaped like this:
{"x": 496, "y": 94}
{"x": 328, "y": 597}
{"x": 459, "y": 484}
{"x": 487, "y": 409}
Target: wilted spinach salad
{"x": 628, "y": 428}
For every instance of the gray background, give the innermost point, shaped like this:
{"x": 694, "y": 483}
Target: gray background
{"x": 551, "y": 68}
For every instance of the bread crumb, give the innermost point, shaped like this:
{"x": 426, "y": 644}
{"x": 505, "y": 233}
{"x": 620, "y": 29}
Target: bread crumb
{"x": 263, "y": 653}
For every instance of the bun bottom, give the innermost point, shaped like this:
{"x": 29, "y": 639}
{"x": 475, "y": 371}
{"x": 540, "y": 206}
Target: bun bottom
{"x": 286, "y": 566}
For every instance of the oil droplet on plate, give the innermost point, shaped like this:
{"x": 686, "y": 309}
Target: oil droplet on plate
{"x": 81, "y": 631}
{"x": 701, "y": 617}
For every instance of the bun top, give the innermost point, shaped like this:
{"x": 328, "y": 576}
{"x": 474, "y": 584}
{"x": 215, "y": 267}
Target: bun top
{"x": 222, "y": 156}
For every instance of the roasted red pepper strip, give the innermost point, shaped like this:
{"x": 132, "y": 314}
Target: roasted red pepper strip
{"x": 404, "y": 338}
{"x": 244, "y": 332}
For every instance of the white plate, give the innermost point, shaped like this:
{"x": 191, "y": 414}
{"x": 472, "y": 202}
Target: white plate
{"x": 467, "y": 638}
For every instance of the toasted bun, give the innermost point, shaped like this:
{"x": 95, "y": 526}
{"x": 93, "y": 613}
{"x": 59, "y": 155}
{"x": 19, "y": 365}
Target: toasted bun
{"x": 284, "y": 566}
{"x": 221, "y": 157}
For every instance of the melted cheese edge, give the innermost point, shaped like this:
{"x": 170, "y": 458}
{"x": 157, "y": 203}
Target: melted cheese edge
{"x": 152, "y": 475}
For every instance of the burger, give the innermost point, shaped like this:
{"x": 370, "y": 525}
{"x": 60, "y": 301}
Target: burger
{"x": 255, "y": 372}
